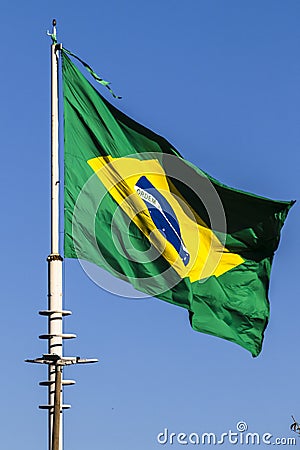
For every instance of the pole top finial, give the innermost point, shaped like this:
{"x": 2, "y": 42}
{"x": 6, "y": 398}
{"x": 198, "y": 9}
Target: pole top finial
{"x": 52, "y": 34}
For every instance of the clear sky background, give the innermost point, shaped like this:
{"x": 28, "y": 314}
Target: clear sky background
{"x": 221, "y": 81}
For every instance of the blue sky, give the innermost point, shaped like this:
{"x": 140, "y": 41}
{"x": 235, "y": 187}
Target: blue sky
{"x": 220, "y": 80}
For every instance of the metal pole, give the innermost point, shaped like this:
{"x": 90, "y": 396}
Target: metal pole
{"x": 55, "y": 313}
{"x": 57, "y": 409}
{"x": 54, "y": 148}
{"x": 55, "y": 330}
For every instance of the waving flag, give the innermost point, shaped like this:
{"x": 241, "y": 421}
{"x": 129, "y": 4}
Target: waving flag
{"x": 136, "y": 208}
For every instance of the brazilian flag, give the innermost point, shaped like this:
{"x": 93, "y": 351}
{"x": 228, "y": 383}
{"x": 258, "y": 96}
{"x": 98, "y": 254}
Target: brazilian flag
{"x": 136, "y": 208}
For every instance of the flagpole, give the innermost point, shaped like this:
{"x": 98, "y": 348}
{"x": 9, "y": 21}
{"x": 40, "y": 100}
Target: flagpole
{"x": 55, "y": 359}
{"x": 55, "y": 330}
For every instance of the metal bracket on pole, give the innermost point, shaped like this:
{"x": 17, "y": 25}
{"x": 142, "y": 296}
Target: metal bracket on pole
{"x": 58, "y": 363}
{"x": 56, "y": 360}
